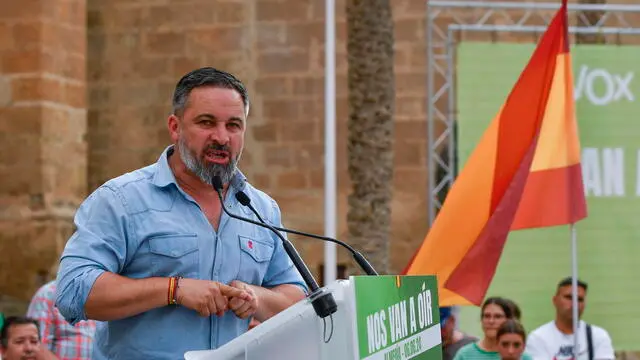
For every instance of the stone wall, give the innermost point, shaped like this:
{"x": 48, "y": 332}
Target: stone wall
{"x": 42, "y": 147}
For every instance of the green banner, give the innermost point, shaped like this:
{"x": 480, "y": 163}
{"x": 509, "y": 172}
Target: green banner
{"x": 397, "y": 317}
{"x": 608, "y": 248}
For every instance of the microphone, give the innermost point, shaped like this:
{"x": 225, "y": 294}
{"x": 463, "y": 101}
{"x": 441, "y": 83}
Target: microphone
{"x": 323, "y": 302}
{"x": 357, "y": 256}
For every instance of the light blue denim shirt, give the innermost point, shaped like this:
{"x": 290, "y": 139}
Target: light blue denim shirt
{"x": 141, "y": 225}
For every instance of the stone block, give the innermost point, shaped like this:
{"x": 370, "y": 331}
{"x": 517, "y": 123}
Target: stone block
{"x": 30, "y": 249}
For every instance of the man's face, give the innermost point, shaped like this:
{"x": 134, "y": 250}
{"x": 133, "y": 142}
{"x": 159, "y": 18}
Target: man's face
{"x": 23, "y": 343}
{"x": 209, "y": 135}
{"x": 447, "y": 330}
{"x": 563, "y": 302}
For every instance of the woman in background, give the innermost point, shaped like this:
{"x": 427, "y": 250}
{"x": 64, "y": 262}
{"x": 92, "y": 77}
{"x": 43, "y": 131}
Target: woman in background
{"x": 495, "y": 311}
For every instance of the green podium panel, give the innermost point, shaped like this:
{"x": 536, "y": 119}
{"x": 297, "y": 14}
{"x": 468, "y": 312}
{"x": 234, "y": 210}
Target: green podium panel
{"x": 397, "y": 317}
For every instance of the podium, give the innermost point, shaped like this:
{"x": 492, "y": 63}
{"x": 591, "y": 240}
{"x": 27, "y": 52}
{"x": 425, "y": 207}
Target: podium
{"x": 379, "y": 317}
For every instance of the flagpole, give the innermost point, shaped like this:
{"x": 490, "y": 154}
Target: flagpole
{"x": 330, "y": 256}
{"x": 574, "y": 288}
{"x": 574, "y": 240}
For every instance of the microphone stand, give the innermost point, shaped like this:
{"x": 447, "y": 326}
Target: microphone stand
{"x": 323, "y": 302}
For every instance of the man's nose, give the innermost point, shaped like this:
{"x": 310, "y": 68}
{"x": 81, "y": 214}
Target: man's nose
{"x": 220, "y": 134}
{"x": 31, "y": 348}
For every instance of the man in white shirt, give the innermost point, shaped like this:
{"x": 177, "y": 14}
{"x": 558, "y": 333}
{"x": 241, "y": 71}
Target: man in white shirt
{"x": 554, "y": 340}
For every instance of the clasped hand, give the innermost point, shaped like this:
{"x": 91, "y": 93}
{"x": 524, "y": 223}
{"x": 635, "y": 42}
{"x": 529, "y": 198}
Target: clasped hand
{"x": 211, "y": 297}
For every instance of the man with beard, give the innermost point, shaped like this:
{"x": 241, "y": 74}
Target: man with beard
{"x": 156, "y": 258}
{"x": 20, "y": 340}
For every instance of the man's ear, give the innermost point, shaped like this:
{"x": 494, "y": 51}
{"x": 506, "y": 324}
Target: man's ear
{"x": 173, "y": 124}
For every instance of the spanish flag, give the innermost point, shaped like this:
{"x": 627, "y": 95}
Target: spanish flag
{"x": 524, "y": 173}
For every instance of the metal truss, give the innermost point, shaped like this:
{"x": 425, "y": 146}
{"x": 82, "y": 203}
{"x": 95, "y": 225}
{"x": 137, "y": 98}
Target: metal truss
{"x": 449, "y": 22}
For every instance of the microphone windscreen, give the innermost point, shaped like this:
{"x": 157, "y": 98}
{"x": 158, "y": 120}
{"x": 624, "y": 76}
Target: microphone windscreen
{"x": 243, "y": 198}
{"x": 217, "y": 183}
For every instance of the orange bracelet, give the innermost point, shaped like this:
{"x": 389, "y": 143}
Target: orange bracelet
{"x": 172, "y": 281}
{"x": 172, "y": 296}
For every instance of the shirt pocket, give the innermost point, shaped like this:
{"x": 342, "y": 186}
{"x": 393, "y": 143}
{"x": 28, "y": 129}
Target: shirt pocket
{"x": 174, "y": 255}
{"x": 255, "y": 256}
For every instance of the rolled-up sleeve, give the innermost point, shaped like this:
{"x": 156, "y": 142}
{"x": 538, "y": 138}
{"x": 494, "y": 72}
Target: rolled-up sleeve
{"x": 98, "y": 245}
{"x": 281, "y": 269}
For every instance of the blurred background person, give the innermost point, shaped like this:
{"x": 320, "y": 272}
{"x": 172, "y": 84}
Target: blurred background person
{"x": 59, "y": 338}
{"x": 511, "y": 339}
{"x": 495, "y": 311}
{"x": 554, "y": 340}
{"x": 452, "y": 338}
{"x": 20, "y": 340}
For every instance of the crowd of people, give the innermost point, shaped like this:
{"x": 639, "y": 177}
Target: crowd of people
{"x": 156, "y": 268}
{"x": 504, "y": 337}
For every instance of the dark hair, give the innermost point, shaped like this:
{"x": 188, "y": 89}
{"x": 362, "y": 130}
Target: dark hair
{"x": 445, "y": 313}
{"x": 515, "y": 309}
{"x": 503, "y": 303}
{"x": 568, "y": 281}
{"x": 15, "y": 320}
{"x": 511, "y": 326}
{"x": 206, "y": 76}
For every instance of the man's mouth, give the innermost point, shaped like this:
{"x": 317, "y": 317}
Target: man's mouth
{"x": 217, "y": 156}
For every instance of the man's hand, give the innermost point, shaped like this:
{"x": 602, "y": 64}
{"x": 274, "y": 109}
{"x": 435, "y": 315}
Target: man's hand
{"x": 243, "y": 308}
{"x": 209, "y": 297}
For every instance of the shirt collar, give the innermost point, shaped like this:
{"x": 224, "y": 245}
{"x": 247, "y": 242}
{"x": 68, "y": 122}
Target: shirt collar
{"x": 238, "y": 181}
{"x": 164, "y": 175}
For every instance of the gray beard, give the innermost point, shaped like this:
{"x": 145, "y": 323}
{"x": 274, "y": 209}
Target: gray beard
{"x": 207, "y": 172}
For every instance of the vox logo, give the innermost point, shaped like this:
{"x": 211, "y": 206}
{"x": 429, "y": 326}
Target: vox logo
{"x": 601, "y": 87}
